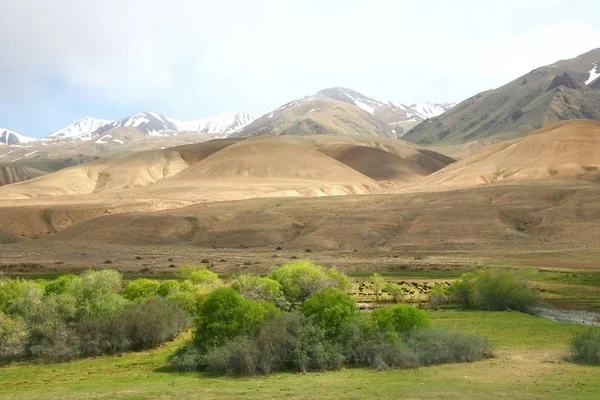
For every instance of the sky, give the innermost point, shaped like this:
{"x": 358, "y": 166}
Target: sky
{"x": 62, "y": 60}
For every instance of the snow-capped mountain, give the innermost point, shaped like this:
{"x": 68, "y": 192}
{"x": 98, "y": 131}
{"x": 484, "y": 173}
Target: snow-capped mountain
{"x": 429, "y": 110}
{"x": 80, "y": 130}
{"x": 149, "y": 123}
{"x": 13, "y": 138}
{"x": 222, "y": 123}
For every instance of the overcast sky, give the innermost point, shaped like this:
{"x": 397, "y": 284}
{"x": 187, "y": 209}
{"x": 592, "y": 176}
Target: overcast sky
{"x": 62, "y": 60}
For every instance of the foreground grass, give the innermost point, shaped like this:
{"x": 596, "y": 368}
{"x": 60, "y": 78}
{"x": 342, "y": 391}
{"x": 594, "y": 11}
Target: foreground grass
{"x": 529, "y": 366}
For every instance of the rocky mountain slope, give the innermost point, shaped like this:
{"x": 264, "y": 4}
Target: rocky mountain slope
{"x": 13, "y": 173}
{"x": 341, "y": 111}
{"x": 565, "y": 90}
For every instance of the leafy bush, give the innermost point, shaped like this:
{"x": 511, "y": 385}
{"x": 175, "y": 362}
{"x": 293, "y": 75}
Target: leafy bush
{"x": 332, "y": 309}
{"x": 187, "y": 358}
{"x": 366, "y": 345}
{"x": 399, "y": 318}
{"x": 393, "y": 290}
{"x": 300, "y": 279}
{"x": 168, "y": 288}
{"x": 225, "y": 314}
{"x": 138, "y": 327}
{"x": 256, "y": 288}
{"x": 585, "y": 347}
{"x": 239, "y": 356}
{"x": 84, "y": 315}
{"x": 437, "y": 296}
{"x": 96, "y": 292}
{"x": 290, "y": 342}
{"x": 59, "y": 285}
{"x": 493, "y": 291}
{"x": 460, "y": 291}
{"x": 141, "y": 289}
{"x": 13, "y": 337}
{"x": 440, "y": 346}
{"x": 199, "y": 275}
{"x": 497, "y": 291}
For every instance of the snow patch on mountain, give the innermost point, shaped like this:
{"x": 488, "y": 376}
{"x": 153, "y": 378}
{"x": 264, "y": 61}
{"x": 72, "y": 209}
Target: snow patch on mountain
{"x": 594, "y": 73}
{"x": 223, "y": 123}
{"x": 429, "y": 110}
{"x": 80, "y": 130}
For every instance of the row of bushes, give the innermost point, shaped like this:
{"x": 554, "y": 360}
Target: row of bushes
{"x": 238, "y": 335}
{"x": 86, "y": 315}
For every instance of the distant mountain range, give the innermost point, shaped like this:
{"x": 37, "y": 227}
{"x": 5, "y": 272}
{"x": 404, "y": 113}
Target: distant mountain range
{"x": 386, "y": 118}
{"x": 141, "y": 124}
{"x": 565, "y": 90}
{"x": 342, "y": 111}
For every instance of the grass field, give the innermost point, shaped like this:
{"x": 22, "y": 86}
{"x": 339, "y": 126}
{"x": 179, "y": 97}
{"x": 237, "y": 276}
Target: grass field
{"x": 530, "y": 364}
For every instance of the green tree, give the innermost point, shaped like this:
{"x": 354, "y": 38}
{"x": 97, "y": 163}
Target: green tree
{"x": 378, "y": 284}
{"x": 141, "y": 289}
{"x": 225, "y": 314}
{"x": 332, "y": 309}
{"x": 399, "y": 318}
{"x": 393, "y": 290}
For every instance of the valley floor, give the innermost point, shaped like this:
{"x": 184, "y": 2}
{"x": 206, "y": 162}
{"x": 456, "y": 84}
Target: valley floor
{"x": 530, "y": 364}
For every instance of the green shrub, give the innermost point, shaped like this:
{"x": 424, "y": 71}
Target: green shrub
{"x": 496, "y": 291}
{"x": 399, "y": 318}
{"x": 302, "y": 278}
{"x": 256, "y": 288}
{"x": 290, "y": 342}
{"x": 187, "y": 358}
{"x": 440, "y": 346}
{"x": 493, "y": 291}
{"x": 138, "y": 327}
{"x": 340, "y": 280}
{"x": 239, "y": 356}
{"x": 585, "y": 347}
{"x": 393, "y": 290}
{"x": 225, "y": 314}
{"x": 59, "y": 285}
{"x": 460, "y": 291}
{"x": 141, "y": 289}
{"x": 378, "y": 284}
{"x": 332, "y": 309}
{"x": 437, "y": 297}
{"x": 168, "y": 288}
{"x": 186, "y": 300}
{"x": 96, "y": 292}
{"x": 13, "y": 337}
{"x": 366, "y": 346}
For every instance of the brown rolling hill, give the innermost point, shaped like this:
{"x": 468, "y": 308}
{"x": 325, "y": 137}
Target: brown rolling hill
{"x": 520, "y": 218}
{"x": 568, "y": 150}
{"x": 556, "y": 92}
{"x": 13, "y": 173}
{"x": 114, "y": 173}
{"x": 229, "y": 169}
